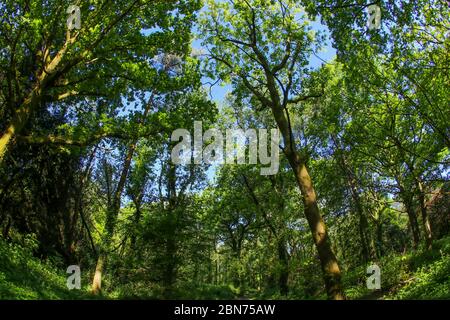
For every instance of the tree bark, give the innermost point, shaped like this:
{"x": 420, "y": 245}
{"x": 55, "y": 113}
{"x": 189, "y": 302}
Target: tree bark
{"x": 329, "y": 264}
{"x": 45, "y": 79}
{"x": 425, "y": 217}
{"x": 19, "y": 120}
{"x": 97, "y": 282}
{"x": 284, "y": 272}
{"x": 413, "y": 224}
{"x": 330, "y": 267}
{"x": 363, "y": 225}
{"x": 136, "y": 219}
{"x": 379, "y": 236}
{"x": 407, "y": 199}
{"x": 169, "y": 274}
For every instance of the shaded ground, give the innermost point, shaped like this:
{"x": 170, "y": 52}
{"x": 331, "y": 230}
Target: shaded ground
{"x": 424, "y": 274}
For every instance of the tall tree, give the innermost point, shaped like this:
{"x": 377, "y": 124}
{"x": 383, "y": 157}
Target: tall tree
{"x": 263, "y": 46}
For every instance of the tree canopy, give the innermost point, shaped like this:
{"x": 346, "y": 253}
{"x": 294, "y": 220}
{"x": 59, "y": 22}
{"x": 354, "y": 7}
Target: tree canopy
{"x": 90, "y": 116}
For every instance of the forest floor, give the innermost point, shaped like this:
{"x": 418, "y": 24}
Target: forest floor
{"x": 424, "y": 274}
{"x": 376, "y": 295}
{"x": 25, "y": 277}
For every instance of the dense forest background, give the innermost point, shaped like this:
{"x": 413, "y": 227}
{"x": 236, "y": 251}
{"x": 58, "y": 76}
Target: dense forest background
{"x": 87, "y": 179}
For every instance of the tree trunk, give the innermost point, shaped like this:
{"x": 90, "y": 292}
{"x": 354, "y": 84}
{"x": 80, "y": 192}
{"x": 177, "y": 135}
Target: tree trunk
{"x": 97, "y": 282}
{"x": 284, "y": 273}
{"x": 330, "y": 267}
{"x": 425, "y": 218}
{"x": 363, "y": 225}
{"x": 281, "y": 243}
{"x": 379, "y": 235}
{"x": 328, "y": 261}
{"x": 111, "y": 219}
{"x": 136, "y": 219}
{"x": 26, "y": 107}
{"x": 6, "y": 229}
{"x": 137, "y": 200}
{"x": 169, "y": 274}
{"x": 113, "y": 210}
{"x": 413, "y": 224}
{"x": 19, "y": 120}
{"x": 407, "y": 199}
{"x": 216, "y": 272}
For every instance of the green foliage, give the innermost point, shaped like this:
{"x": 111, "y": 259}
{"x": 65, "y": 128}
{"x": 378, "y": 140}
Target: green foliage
{"x": 142, "y": 290}
{"x": 431, "y": 276}
{"x": 23, "y": 276}
{"x": 429, "y": 282}
{"x": 88, "y": 169}
{"x": 424, "y": 274}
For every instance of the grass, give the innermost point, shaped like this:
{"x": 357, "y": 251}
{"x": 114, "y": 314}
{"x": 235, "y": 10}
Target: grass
{"x": 424, "y": 274}
{"x": 24, "y": 277}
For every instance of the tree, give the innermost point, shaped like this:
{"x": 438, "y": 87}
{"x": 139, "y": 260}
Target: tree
{"x": 262, "y": 45}
{"x": 43, "y": 62}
